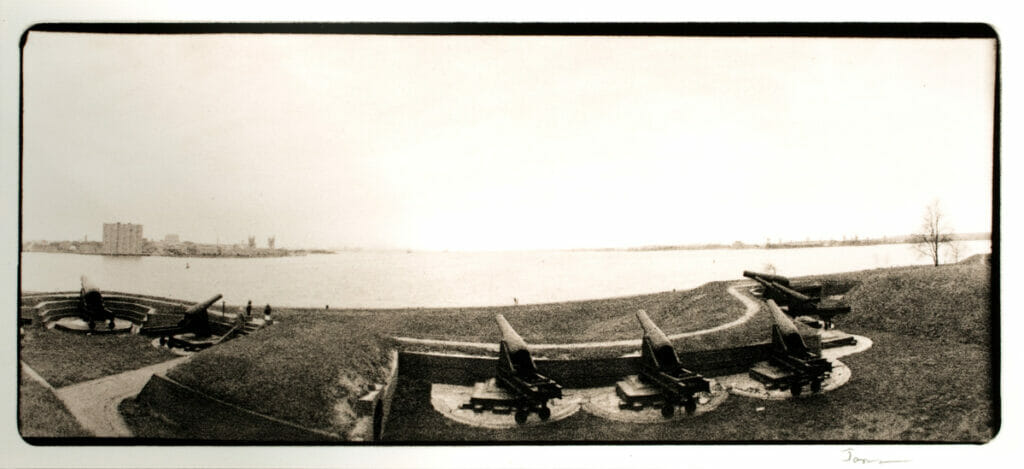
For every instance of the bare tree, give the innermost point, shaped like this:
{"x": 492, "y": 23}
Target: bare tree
{"x": 934, "y": 233}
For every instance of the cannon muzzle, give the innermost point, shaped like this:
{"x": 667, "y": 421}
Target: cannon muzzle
{"x": 90, "y": 305}
{"x": 509, "y": 336}
{"x": 652, "y": 331}
{"x": 203, "y": 305}
{"x": 769, "y": 277}
{"x": 88, "y": 286}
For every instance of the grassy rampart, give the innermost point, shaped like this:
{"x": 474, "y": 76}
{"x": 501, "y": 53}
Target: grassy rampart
{"x": 928, "y": 377}
{"x": 43, "y": 415}
{"x": 312, "y": 364}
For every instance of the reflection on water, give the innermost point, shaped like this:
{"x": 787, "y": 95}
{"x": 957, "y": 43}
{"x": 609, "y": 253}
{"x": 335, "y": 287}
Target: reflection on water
{"x": 386, "y": 279}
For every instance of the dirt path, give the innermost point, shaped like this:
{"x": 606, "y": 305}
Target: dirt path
{"x": 752, "y": 308}
{"x": 94, "y": 403}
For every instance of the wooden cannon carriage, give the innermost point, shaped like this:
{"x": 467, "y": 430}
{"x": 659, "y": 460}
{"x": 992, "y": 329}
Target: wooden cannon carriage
{"x": 791, "y": 364}
{"x": 661, "y": 369}
{"x": 194, "y": 331}
{"x": 798, "y": 300}
{"x": 519, "y": 385}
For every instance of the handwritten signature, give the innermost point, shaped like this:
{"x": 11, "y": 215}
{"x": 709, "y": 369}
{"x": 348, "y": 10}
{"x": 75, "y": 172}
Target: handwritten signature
{"x": 852, "y": 458}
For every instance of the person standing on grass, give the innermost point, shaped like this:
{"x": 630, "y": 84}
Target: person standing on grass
{"x": 266, "y": 313}
{"x": 248, "y": 309}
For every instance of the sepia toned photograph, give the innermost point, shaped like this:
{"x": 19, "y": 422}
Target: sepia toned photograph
{"x": 420, "y": 233}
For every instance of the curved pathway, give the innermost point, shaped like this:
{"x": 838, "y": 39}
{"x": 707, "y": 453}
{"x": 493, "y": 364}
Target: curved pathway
{"x": 95, "y": 403}
{"x": 752, "y": 308}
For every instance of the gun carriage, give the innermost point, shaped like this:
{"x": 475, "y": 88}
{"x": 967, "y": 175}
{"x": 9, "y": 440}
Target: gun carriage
{"x": 90, "y": 305}
{"x": 798, "y": 300}
{"x": 795, "y": 365}
{"x": 193, "y": 332}
{"x": 660, "y": 367}
{"x": 521, "y": 386}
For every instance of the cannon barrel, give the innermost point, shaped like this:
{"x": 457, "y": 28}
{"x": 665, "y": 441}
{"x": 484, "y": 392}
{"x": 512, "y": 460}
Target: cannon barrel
{"x": 652, "y": 331}
{"x": 509, "y": 336}
{"x": 786, "y": 326}
{"x": 795, "y": 295}
{"x": 202, "y": 306}
{"x": 769, "y": 277}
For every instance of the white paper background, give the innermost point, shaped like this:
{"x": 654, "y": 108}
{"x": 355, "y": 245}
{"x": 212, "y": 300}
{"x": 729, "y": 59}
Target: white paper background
{"x": 16, "y": 16}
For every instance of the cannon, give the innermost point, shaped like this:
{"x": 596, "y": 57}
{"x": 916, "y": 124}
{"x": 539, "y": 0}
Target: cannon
{"x": 197, "y": 318}
{"x": 193, "y": 332}
{"x": 660, "y": 367}
{"x": 799, "y": 365}
{"x": 813, "y": 290}
{"x": 798, "y": 300}
{"x": 518, "y": 374}
{"x": 91, "y": 307}
{"x": 518, "y": 384}
{"x": 769, "y": 277}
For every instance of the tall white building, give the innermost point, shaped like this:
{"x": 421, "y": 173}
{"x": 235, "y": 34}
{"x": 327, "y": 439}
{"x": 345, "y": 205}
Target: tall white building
{"x": 122, "y": 238}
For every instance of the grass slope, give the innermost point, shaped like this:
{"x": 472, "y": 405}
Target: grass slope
{"x": 307, "y": 373}
{"x": 948, "y": 302}
{"x": 43, "y": 415}
{"x": 927, "y": 378}
{"x": 578, "y": 321}
{"x": 312, "y": 365}
{"x": 65, "y": 358}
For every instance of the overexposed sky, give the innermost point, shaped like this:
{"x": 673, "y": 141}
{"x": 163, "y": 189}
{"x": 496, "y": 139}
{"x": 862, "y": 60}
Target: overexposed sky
{"x": 487, "y": 142}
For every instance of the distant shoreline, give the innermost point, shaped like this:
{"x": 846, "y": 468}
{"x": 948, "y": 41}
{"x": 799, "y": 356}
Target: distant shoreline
{"x": 65, "y": 247}
{"x": 286, "y": 253}
{"x": 789, "y": 244}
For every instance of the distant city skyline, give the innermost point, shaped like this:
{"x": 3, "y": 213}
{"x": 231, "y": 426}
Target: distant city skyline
{"x": 270, "y": 242}
{"x": 498, "y": 143}
{"x": 166, "y": 237}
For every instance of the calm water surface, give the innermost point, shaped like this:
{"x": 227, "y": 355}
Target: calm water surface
{"x": 388, "y": 279}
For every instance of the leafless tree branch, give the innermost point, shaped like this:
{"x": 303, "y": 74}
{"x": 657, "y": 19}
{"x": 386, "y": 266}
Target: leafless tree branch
{"x": 934, "y": 233}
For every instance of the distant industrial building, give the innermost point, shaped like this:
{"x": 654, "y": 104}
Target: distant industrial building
{"x": 122, "y": 239}
{"x": 172, "y": 238}
{"x": 252, "y": 242}
{"x": 270, "y": 242}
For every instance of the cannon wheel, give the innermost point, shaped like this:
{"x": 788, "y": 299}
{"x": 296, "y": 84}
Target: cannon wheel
{"x": 668, "y": 410}
{"x": 521, "y": 415}
{"x": 795, "y": 389}
{"x": 544, "y": 412}
{"x": 691, "y": 406}
{"x": 816, "y": 386}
